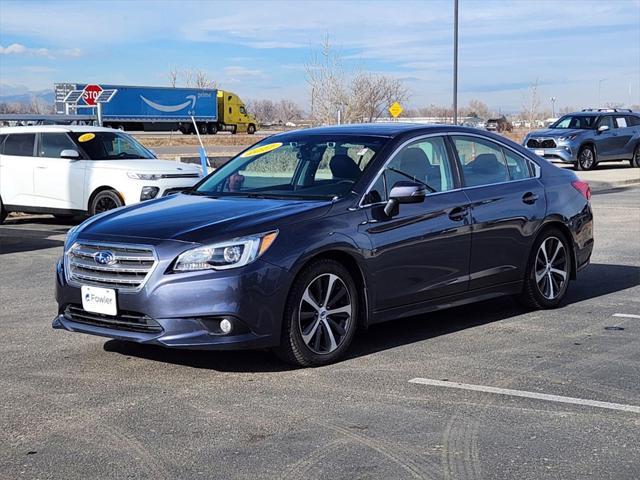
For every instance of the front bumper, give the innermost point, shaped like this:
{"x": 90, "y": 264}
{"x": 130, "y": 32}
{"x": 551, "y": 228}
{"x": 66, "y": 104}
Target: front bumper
{"x": 185, "y": 308}
{"x": 563, "y": 153}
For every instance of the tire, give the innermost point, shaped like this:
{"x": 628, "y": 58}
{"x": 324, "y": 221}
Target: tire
{"x": 251, "y": 129}
{"x": 544, "y": 283}
{"x": 202, "y": 128}
{"x": 586, "y": 159}
{"x": 3, "y": 213}
{"x": 328, "y": 335}
{"x": 635, "y": 161}
{"x": 103, "y": 201}
{"x": 212, "y": 129}
{"x": 234, "y": 130}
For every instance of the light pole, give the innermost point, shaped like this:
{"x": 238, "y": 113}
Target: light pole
{"x": 553, "y": 107}
{"x": 599, "y": 91}
{"x": 455, "y": 62}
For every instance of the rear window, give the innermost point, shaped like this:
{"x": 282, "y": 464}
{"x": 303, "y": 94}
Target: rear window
{"x": 19, "y": 144}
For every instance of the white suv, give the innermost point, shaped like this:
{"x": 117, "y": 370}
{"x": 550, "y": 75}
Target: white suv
{"x": 77, "y": 170}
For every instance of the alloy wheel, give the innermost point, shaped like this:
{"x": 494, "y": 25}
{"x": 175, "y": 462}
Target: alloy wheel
{"x": 586, "y": 158}
{"x": 551, "y": 268}
{"x": 325, "y": 313}
{"x": 105, "y": 203}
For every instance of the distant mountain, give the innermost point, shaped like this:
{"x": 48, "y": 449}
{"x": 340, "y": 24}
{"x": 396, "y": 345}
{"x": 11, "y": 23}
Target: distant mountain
{"x": 26, "y": 98}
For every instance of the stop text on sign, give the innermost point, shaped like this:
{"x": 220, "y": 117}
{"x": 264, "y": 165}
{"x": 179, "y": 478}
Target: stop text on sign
{"x": 90, "y": 94}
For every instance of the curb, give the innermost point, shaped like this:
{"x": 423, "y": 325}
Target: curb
{"x": 599, "y": 186}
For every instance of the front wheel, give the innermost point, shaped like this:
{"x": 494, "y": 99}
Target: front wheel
{"x": 103, "y": 201}
{"x": 548, "y": 271}
{"x": 586, "y": 159}
{"x": 320, "y": 316}
{"x": 3, "y": 213}
{"x": 251, "y": 129}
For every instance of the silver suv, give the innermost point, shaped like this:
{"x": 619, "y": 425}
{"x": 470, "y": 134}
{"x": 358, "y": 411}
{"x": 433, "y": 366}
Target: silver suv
{"x": 589, "y": 137}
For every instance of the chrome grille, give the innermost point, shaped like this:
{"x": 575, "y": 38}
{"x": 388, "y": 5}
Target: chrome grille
{"x": 128, "y": 268}
{"x": 131, "y": 321}
{"x": 541, "y": 143}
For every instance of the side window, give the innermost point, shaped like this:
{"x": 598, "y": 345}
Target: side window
{"x": 518, "y": 166}
{"x": 483, "y": 162}
{"x": 633, "y": 121}
{"x": 423, "y": 161}
{"x": 243, "y": 111}
{"x": 606, "y": 120}
{"x": 620, "y": 122}
{"x": 52, "y": 144}
{"x": 20, "y": 144}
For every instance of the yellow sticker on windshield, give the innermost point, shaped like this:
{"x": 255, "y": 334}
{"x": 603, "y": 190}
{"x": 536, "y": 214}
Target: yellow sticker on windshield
{"x": 85, "y": 137}
{"x": 262, "y": 149}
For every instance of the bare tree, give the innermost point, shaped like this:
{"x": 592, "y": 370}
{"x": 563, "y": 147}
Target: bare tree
{"x": 531, "y": 108}
{"x": 287, "y": 111}
{"x": 263, "y": 110}
{"x": 478, "y": 108}
{"x": 173, "y": 74}
{"x": 358, "y": 95}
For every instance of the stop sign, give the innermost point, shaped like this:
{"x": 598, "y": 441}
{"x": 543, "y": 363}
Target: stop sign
{"x": 90, "y": 94}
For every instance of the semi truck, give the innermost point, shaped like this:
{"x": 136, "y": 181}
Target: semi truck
{"x": 138, "y": 108}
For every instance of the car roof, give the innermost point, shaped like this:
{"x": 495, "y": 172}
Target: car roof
{"x": 388, "y": 129}
{"x": 54, "y": 128}
{"x": 596, "y": 113}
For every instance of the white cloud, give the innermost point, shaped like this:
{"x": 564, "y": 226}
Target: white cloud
{"x": 19, "y": 49}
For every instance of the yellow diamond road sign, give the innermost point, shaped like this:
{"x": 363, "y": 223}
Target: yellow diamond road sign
{"x": 395, "y": 110}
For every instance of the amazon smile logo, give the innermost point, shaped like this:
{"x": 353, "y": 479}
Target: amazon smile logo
{"x": 170, "y": 108}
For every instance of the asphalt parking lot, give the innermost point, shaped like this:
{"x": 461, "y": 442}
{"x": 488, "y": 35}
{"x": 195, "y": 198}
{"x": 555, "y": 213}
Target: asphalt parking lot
{"x": 76, "y": 406}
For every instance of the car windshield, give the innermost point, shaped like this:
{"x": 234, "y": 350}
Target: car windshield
{"x": 581, "y": 122}
{"x": 299, "y": 166}
{"x": 110, "y": 146}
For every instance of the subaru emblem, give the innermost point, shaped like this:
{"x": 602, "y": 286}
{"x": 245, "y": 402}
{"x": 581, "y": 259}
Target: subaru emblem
{"x": 104, "y": 257}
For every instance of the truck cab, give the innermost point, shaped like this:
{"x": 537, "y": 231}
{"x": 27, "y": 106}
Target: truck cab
{"x": 233, "y": 114}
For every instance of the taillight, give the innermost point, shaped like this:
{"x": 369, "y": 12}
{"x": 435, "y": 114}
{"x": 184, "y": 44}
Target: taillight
{"x": 583, "y": 188}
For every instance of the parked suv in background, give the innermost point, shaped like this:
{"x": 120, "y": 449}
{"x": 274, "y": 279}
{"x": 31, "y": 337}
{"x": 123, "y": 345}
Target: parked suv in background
{"x": 499, "y": 125}
{"x": 75, "y": 170}
{"x": 588, "y": 137}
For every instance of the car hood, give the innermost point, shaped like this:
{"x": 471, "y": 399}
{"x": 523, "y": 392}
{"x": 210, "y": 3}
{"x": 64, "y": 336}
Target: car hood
{"x": 200, "y": 219}
{"x": 147, "y": 166}
{"x": 555, "y": 132}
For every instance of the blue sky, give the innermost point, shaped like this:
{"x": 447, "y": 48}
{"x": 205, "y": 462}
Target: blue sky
{"x": 258, "y": 49}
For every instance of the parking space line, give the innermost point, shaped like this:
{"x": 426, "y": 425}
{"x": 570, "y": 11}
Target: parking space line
{"x": 525, "y": 394}
{"x": 626, "y": 315}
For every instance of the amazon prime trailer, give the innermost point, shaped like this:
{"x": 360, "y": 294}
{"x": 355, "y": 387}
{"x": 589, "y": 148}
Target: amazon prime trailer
{"x": 141, "y": 108}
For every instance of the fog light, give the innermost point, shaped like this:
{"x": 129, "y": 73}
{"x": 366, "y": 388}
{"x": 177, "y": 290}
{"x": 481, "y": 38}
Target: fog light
{"x": 148, "y": 193}
{"x": 225, "y": 326}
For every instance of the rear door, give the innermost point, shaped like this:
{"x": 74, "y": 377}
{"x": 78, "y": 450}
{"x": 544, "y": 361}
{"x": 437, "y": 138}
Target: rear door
{"x": 17, "y": 163}
{"x": 507, "y": 206}
{"x": 606, "y": 142}
{"x": 422, "y": 253}
{"x": 623, "y": 132}
{"x": 58, "y": 182}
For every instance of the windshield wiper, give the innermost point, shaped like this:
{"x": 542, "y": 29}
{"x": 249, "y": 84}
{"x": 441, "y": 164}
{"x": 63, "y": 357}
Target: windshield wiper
{"x": 429, "y": 187}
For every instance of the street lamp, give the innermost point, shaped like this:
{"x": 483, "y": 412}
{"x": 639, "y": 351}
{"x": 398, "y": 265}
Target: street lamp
{"x": 455, "y": 62}
{"x": 599, "y": 90}
{"x": 553, "y": 107}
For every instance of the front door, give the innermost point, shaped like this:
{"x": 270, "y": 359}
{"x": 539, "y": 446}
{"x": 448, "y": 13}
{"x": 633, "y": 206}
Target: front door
{"x": 422, "y": 253}
{"x": 606, "y": 141}
{"x": 58, "y": 182}
{"x": 508, "y": 205}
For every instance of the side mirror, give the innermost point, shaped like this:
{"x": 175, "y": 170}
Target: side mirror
{"x": 70, "y": 154}
{"x": 603, "y": 128}
{"x": 404, "y": 192}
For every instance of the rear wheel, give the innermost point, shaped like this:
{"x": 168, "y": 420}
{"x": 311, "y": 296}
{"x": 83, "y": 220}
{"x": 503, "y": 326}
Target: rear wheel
{"x": 103, "y": 201}
{"x": 635, "y": 161}
{"x": 586, "y": 159}
{"x": 212, "y": 129}
{"x": 3, "y": 213}
{"x": 320, "y": 315}
{"x": 548, "y": 271}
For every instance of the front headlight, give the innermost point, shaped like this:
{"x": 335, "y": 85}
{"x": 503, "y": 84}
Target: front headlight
{"x": 144, "y": 176}
{"x": 72, "y": 234}
{"x": 568, "y": 138}
{"x": 222, "y": 256}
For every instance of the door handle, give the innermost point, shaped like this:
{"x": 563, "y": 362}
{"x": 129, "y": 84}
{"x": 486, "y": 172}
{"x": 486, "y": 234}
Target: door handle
{"x": 530, "y": 198}
{"x": 458, "y": 214}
